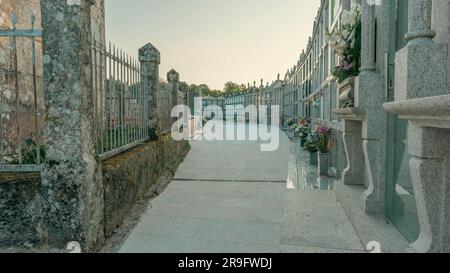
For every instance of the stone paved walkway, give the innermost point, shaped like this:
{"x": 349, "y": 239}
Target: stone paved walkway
{"x": 230, "y": 197}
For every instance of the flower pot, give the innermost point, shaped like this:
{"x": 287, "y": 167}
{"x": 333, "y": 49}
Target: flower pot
{"x": 312, "y": 158}
{"x": 323, "y": 163}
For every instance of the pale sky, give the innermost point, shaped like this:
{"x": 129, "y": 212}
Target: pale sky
{"x": 215, "y": 41}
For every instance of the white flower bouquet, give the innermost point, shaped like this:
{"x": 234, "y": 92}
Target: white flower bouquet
{"x": 346, "y": 41}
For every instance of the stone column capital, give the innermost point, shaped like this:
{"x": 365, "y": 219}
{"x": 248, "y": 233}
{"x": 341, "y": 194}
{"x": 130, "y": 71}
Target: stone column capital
{"x": 419, "y": 21}
{"x": 149, "y": 54}
{"x": 173, "y": 76}
{"x": 184, "y": 87}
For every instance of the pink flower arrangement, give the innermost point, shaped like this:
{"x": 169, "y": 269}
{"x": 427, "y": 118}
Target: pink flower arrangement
{"x": 323, "y": 130}
{"x": 346, "y": 65}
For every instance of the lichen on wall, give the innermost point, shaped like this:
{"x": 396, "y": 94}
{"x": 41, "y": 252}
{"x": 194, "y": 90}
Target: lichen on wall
{"x": 19, "y": 209}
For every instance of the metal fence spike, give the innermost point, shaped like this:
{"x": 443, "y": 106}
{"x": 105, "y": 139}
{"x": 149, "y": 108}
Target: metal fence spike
{"x": 33, "y": 17}
{"x": 14, "y": 20}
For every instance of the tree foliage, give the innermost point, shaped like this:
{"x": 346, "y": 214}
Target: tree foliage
{"x": 232, "y": 88}
{"x": 204, "y": 90}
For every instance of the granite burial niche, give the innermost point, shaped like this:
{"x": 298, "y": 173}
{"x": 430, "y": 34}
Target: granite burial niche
{"x": 422, "y": 98}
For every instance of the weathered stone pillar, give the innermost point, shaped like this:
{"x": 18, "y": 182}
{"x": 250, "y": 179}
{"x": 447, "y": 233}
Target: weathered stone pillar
{"x": 72, "y": 190}
{"x": 419, "y": 22}
{"x": 150, "y": 58}
{"x": 173, "y": 78}
{"x": 368, "y": 38}
{"x": 441, "y": 24}
{"x": 184, "y": 89}
{"x": 422, "y": 97}
{"x": 370, "y": 94}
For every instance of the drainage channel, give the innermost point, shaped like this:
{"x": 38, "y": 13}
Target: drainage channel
{"x": 229, "y": 181}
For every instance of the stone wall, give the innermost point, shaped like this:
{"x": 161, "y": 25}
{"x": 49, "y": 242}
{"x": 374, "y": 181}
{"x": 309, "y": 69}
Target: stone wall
{"x": 18, "y": 208}
{"x": 74, "y": 197}
{"x": 128, "y": 177}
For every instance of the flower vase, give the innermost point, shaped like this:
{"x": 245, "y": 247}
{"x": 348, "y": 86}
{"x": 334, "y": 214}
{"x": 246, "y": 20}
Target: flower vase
{"x": 313, "y": 159}
{"x": 346, "y": 91}
{"x": 323, "y": 159}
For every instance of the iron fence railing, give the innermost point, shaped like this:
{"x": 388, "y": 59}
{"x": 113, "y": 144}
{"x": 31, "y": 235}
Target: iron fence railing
{"x": 120, "y": 100}
{"x": 21, "y": 104}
